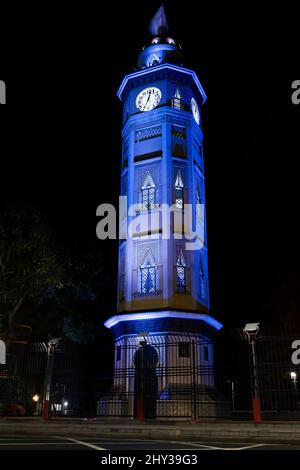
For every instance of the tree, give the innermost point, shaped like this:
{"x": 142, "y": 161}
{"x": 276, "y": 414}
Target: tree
{"x": 82, "y": 295}
{"x": 29, "y": 268}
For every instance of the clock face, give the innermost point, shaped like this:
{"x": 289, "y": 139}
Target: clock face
{"x": 195, "y": 110}
{"x": 148, "y": 99}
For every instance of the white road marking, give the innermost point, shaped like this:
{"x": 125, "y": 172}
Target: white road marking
{"x": 250, "y": 447}
{"x": 207, "y": 447}
{"x": 86, "y": 444}
{"x": 178, "y": 443}
{"x": 36, "y": 444}
{"x": 191, "y": 445}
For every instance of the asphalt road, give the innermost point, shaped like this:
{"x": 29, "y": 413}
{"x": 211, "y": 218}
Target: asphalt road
{"x": 17, "y": 442}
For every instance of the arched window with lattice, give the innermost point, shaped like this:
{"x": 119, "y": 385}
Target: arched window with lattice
{"x": 147, "y": 275}
{"x": 148, "y": 195}
{"x": 203, "y": 277}
{"x": 179, "y": 191}
{"x": 177, "y": 100}
{"x": 181, "y": 273}
{"x": 122, "y": 272}
{"x": 199, "y": 203}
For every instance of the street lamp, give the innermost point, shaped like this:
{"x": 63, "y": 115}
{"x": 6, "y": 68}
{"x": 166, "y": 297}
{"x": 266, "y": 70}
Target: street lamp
{"x": 65, "y": 407}
{"x": 251, "y": 330}
{"x": 52, "y": 344}
{"x": 294, "y": 380}
{"x": 36, "y": 399}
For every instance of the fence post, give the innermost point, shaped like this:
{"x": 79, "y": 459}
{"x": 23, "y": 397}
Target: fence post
{"x": 194, "y": 392}
{"x": 256, "y": 408}
{"x": 46, "y": 410}
{"x": 48, "y": 376}
{"x": 251, "y": 331}
{"x": 140, "y": 403}
{"x": 140, "y": 410}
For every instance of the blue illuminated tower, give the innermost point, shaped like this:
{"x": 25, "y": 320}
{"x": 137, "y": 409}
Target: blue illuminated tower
{"x": 163, "y": 288}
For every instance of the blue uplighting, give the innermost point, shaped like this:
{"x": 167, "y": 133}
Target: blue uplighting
{"x": 172, "y": 67}
{"x": 167, "y": 314}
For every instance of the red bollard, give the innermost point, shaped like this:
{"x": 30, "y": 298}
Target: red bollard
{"x": 140, "y": 411}
{"x": 256, "y": 411}
{"x": 46, "y": 410}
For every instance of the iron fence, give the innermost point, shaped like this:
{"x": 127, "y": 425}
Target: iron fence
{"x": 156, "y": 376}
{"x": 278, "y": 377}
{"x": 164, "y": 377}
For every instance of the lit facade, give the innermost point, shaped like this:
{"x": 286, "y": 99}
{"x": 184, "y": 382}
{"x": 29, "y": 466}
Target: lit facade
{"x": 163, "y": 287}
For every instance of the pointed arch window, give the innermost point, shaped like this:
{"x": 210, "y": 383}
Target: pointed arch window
{"x": 181, "y": 274}
{"x": 153, "y": 60}
{"x": 179, "y": 189}
{"x": 122, "y": 276}
{"x": 203, "y": 288}
{"x": 148, "y": 275}
{"x": 148, "y": 193}
{"x": 199, "y": 204}
{"x": 177, "y": 100}
{"x": 198, "y": 195}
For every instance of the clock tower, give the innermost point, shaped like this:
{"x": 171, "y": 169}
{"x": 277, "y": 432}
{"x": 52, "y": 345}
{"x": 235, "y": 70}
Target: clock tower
{"x": 163, "y": 285}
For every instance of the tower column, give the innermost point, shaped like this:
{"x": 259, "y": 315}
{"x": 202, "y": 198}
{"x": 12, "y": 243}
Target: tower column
{"x": 163, "y": 322}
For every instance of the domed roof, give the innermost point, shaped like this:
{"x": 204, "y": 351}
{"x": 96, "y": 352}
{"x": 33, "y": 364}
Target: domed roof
{"x": 162, "y": 48}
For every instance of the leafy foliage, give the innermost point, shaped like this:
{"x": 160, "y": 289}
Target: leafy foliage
{"x": 29, "y": 268}
{"x": 55, "y": 287}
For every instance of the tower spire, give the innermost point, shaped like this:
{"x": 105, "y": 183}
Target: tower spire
{"x": 159, "y": 23}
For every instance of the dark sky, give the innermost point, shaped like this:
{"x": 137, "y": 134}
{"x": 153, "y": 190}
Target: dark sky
{"x": 60, "y": 137}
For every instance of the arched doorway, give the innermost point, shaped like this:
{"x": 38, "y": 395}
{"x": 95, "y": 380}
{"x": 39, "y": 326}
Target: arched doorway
{"x": 145, "y": 382}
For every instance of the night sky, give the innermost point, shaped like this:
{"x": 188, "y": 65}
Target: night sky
{"x": 61, "y": 145}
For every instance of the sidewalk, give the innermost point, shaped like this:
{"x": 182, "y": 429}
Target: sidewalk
{"x": 170, "y": 430}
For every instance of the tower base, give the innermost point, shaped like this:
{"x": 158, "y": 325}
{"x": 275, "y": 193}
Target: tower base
{"x": 163, "y": 367}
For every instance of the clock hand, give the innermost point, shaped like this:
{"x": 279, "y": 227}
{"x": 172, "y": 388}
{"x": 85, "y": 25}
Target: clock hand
{"x": 147, "y": 101}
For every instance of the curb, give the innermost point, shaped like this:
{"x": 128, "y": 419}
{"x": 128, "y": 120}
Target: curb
{"x": 260, "y": 433}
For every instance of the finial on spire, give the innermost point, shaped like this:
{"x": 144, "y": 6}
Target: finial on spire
{"x": 159, "y": 23}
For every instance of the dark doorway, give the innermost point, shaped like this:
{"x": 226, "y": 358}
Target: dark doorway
{"x": 145, "y": 382}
